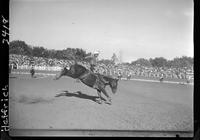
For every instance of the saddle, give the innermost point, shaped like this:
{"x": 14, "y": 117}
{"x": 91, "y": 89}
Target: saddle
{"x": 99, "y": 76}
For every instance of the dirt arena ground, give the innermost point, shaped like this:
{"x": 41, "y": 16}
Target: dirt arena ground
{"x": 137, "y": 105}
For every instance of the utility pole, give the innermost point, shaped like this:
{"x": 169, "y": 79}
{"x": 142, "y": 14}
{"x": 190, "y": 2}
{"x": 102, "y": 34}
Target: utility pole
{"x": 120, "y": 56}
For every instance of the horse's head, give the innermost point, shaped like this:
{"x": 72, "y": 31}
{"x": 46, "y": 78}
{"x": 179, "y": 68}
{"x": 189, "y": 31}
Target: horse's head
{"x": 63, "y": 72}
{"x": 113, "y": 85}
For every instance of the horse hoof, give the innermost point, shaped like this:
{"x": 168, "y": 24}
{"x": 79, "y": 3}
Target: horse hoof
{"x": 99, "y": 101}
{"x": 108, "y": 102}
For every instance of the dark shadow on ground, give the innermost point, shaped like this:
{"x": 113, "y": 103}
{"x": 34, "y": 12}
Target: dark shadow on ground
{"x": 79, "y": 94}
{"x": 33, "y": 100}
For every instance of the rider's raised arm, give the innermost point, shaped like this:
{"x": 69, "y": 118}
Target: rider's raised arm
{"x": 89, "y": 57}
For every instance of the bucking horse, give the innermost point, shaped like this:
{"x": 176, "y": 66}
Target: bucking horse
{"x": 94, "y": 80}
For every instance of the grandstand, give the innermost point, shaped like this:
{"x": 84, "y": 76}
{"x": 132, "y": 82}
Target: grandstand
{"x": 49, "y": 64}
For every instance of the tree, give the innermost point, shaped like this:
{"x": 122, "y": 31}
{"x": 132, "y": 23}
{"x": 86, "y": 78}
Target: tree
{"x": 169, "y": 63}
{"x": 142, "y": 62}
{"x": 80, "y": 54}
{"x": 114, "y": 58}
{"x": 38, "y": 51}
{"x": 158, "y": 62}
{"x": 52, "y": 53}
{"x": 182, "y": 62}
{"x": 68, "y": 53}
{"x": 19, "y": 47}
{"x": 186, "y": 61}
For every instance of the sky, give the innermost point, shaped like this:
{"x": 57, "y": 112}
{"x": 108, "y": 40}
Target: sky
{"x": 130, "y": 28}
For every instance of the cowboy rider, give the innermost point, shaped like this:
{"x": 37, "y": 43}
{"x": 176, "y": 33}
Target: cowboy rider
{"x": 93, "y": 58}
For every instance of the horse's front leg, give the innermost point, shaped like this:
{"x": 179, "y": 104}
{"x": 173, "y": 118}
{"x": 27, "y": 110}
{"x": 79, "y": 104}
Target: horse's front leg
{"x": 108, "y": 101}
{"x": 99, "y": 99}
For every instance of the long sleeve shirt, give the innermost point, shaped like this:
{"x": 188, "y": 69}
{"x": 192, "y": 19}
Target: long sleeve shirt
{"x": 92, "y": 59}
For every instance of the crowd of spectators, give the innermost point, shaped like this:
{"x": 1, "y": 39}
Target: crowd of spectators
{"x": 125, "y": 70}
{"x": 39, "y": 63}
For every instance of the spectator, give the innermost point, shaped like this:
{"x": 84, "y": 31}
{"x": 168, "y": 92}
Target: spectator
{"x": 32, "y": 71}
